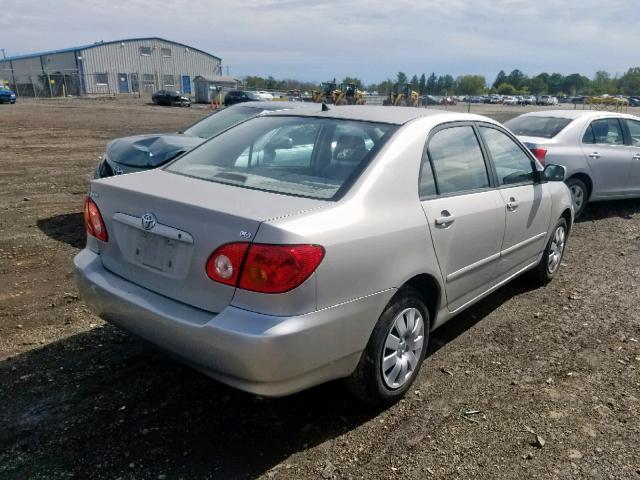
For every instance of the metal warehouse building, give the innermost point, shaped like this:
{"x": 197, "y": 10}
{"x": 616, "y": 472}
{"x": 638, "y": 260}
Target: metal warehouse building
{"x": 121, "y": 66}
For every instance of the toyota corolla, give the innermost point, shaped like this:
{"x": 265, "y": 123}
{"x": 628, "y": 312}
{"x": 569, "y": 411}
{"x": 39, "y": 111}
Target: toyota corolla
{"x": 301, "y": 247}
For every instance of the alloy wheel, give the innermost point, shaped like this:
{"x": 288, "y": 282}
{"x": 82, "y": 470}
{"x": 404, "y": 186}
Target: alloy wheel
{"x": 403, "y": 348}
{"x": 556, "y": 249}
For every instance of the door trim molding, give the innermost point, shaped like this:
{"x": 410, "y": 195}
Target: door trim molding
{"x": 480, "y": 263}
{"x": 522, "y": 244}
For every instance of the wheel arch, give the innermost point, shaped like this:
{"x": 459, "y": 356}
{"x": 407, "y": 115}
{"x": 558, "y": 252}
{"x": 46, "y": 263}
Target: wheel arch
{"x": 430, "y": 290}
{"x": 586, "y": 179}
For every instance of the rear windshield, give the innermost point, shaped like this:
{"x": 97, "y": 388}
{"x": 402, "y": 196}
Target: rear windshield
{"x": 305, "y": 156}
{"x": 216, "y": 123}
{"x": 531, "y": 126}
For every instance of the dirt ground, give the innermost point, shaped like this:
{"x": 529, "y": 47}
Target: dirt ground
{"x": 80, "y": 399}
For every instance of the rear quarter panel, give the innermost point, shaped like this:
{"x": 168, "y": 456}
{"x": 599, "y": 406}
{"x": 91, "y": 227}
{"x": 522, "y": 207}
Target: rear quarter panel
{"x": 376, "y": 237}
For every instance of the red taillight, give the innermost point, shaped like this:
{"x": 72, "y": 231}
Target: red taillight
{"x": 539, "y": 153}
{"x": 93, "y": 221}
{"x": 264, "y": 268}
{"x": 224, "y": 264}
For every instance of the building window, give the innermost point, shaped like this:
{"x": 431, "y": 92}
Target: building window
{"x": 145, "y": 51}
{"x": 147, "y": 77}
{"x": 102, "y": 79}
{"x": 166, "y": 52}
{"x": 168, "y": 80}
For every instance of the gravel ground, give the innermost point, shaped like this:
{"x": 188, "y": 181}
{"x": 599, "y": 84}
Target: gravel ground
{"x": 530, "y": 383}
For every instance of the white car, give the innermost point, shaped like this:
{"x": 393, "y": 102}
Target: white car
{"x": 264, "y": 95}
{"x": 508, "y": 100}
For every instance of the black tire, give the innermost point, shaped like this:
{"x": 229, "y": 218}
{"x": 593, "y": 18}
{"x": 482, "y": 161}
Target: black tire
{"x": 542, "y": 274}
{"x": 367, "y": 382}
{"x": 575, "y": 185}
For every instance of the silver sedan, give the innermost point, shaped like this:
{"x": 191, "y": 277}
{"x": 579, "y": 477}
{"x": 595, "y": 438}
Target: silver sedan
{"x": 600, "y": 150}
{"x": 300, "y": 247}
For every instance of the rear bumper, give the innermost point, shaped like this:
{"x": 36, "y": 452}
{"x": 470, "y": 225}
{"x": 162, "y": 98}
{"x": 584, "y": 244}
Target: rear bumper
{"x": 262, "y": 354}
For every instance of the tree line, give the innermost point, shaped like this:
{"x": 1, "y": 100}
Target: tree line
{"x": 514, "y": 83}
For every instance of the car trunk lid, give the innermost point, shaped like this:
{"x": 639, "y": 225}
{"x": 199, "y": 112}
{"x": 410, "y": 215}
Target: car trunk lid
{"x": 163, "y": 227}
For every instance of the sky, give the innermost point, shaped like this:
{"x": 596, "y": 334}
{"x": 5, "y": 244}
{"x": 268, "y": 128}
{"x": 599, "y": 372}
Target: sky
{"x": 372, "y": 40}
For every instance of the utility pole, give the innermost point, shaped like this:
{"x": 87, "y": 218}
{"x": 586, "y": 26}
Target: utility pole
{"x": 4, "y": 56}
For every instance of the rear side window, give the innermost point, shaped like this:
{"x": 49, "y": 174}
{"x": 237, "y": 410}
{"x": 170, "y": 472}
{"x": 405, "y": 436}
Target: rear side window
{"x": 634, "y": 130}
{"x": 607, "y": 131}
{"x": 533, "y": 126}
{"x": 512, "y": 164}
{"x": 457, "y": 160}
{"x": 588, "y": 136}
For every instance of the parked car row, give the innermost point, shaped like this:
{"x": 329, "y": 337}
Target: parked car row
{"x": 287, "y": 248}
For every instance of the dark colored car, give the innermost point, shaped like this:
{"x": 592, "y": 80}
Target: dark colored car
{"x": 171, "y": 98}
{"x": 634, "y": 101}
{"x": 143, "y": 152}
{"x": 238, "y": 96}
{"x": 7, "y": 96}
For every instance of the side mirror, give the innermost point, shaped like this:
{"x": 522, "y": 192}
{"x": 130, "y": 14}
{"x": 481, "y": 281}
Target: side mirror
{"x": 554, "y": 173}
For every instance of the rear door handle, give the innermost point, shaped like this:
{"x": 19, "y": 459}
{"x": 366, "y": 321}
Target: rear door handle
{"x": 594, "y": 155}
{"x": 446, "y": 219}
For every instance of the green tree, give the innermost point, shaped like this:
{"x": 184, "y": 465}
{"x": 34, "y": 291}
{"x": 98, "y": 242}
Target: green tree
{"x": 630, "y": 82}
{"x": 602, "y": 83}
{"x": 422, "y": 84}
{"x": 576, "y": 83}
{"x": 537, "y": 85}
{"x": 445, "y": 85}
{"x": 354, "y": 80}
{"x": 556, "y": 83}
{"x": 384, "y": 88}
{"x": 470, "y": 84}
{"x": 401, "y": 78}
{"x": 414, "y": 82}
{"x": 516, "y": 78}
{"x": 501, "y": 78}
{"x": 506, "y": 89}
{"x": 432, "y": 84}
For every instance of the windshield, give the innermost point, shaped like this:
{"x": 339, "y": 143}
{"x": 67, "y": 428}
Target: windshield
{"x": 305, "y": 156}
{"x": 216, "y": 123}
{"x": 532, "y": 126}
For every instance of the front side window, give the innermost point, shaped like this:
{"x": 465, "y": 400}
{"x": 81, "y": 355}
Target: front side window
{"x": 512, "y": 164}
{"x": 306, "y": 156}
{"x": 634, "y": 131}
{"x": 607, "y": 131}
{"x": 457, "y": 160}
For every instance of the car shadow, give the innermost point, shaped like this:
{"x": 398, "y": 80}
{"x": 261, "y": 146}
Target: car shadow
{"x": 67, "y": 228}
{"x": 103, "y": 404}
{"x": 610, "y": 208}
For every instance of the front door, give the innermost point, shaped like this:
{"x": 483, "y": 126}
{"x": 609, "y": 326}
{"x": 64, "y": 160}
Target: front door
{"x": 465, "y": 213}
{"x": 527, "y": 204}
{"x": 607, "y": 156}
{"x": 186, "y": 84}
{"x": 123, "y": 83}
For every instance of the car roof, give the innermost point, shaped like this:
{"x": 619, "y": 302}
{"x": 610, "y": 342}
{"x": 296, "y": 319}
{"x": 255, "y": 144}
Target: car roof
{"x": 383, "y": 114}
{"x": 575, "y": 114}
{"x": 282, "y": 105}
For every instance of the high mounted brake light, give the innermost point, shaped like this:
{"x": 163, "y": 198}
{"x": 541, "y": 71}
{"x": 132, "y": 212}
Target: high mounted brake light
{"x": 264, "y": 268}
{"x": 93, "y": 222}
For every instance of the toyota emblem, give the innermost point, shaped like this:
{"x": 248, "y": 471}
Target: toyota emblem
{"x": 148, "y": 221}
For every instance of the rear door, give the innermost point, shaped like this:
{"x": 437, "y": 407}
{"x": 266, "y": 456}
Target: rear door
{"x": 633, "y": 128}
{"x": 608, "y": 158}
{"x": 526, "y": 203}
{"x": 465, "y": 212}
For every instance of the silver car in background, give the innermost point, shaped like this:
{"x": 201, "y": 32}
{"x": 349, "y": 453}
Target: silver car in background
{"x": 600, "y": 150}
{"x": 300, "y": 247}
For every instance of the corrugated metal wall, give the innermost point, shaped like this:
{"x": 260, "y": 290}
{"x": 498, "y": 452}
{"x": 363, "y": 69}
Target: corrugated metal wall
{"x": 149, "y": 71}
{"x": 110, "y": 68}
